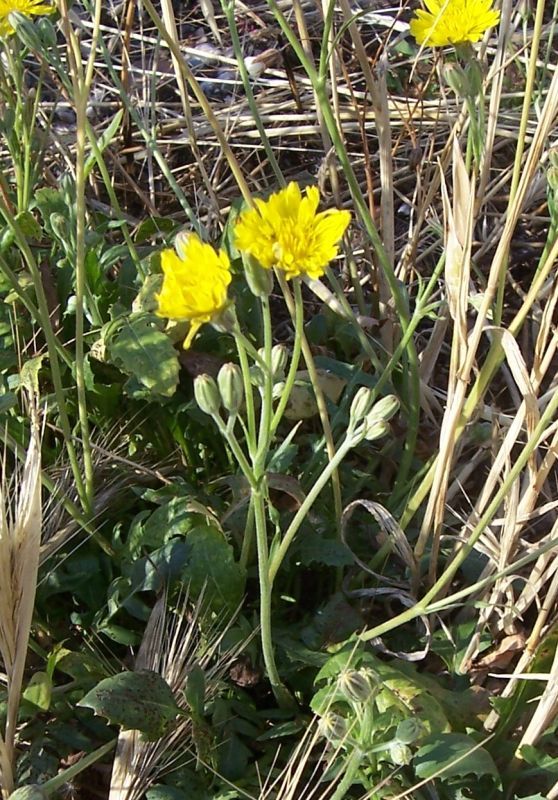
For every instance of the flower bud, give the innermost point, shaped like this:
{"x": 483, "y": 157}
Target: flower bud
{"x": 256, "y": 377}
{"x": 231, "y": 387}
{"x": 409, "y": 730}
{"x": 333, "y": 727}
{"x": 400, "y": 754}
{"x": 375, "y": 429}
{"x": 385, "y": 408}
{"x": 259, "y": 280}
{"x": 361, "y": 404}
{"x": 357, "y": 685}
{"x": 225, "y": 320}
{"x": 473, "y": 73}
{"x": 207, "y": 395}
{"x": 279, "y": 358}
{"x": 455, "y": 78}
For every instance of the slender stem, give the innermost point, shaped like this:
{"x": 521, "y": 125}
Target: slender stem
{"x": 229, "y": 8}
{"x": 282, "y": 695}
{"x": 266, "y": 414}
{"x": 295, "y": 357}
{"x": 66, "y": 775}
{"x": 279, "y": 554}
{"x": 493, "y": 360}
{"x": 81, "y": 83}
{"x": 234, "y": 444}
{"x": 422, "y": 606}
{"x": 248, "y": 538}
{"x": 353, "y": 763}
{"x": 202, "y": 100}
{"x": 53, "y": 346}
{"x": 248, "y": 393}
{"x": 320, "y": 399}
{"x": 520, "y": 143}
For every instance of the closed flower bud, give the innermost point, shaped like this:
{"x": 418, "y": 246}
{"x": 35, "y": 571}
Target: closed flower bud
{"x": 361, "y": 405}
{"x": 473, "y": 72}
{"x": 207, "y": 395}
{"x": 333, "y": 727}
{"x": 279, "y": 358}
{"x": 259, "y": 280}
{"x": 375, "y": 429}
{"x": 409, "y": 730}
{"x": 400, "y": 754}
{"x": 231, "y": 387}
{"x": 384, "y": 409}
{"x": 357, "y": 685}
{"x": 256, "y": 377}
{"x": 455, "y": 78}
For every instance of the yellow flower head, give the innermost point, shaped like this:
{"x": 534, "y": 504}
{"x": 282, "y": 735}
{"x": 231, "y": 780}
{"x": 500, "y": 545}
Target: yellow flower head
{"x": 286, "y": 232}
{"x": 194, "y": 284}
{"x": 453, "y": 21}
{"x": 28, "y": 7}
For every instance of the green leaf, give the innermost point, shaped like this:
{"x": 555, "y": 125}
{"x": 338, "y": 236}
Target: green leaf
{"x": 162, "y": 792}
{"x": 195, "y": 690}
{"x": 539, "y": 759}
{"x": 39, "y": 691}
{"x": 144, "y": 352}
{"x": 7, "y": 401}
{"x": 153, "y": 226}
{"x": 211, "y": 564}
{"x": 29, "y": 225}
{"x": 139, "y": 700}
{"x": 103, "y": 141}
{"x": 315, "y": 548}
{"x": 456, "y": 754}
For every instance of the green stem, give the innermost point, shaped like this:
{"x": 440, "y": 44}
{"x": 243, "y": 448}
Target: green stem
{"x": 53, "y": 346}
{"x": 248, "y": 392}
{"x": 54, "y": 784}
{"x": 248, "y": 538}
{"x": 234, "y": 444}
{"x": 282, "y": 695}
{"x": 81, "y": 118}
{"x": 422, "y": 607}
{"x": 280, "y": 553}
{"x": 520, "y": 143}
{"x": 229, "y": 7}
{"x": 353, "y": 763}
{"x": 266, "y": 414}
{"x": 295, "y": 357}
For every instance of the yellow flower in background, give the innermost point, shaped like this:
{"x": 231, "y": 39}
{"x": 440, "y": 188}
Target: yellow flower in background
{"x": 27, "y": 7}
{"x": 195, "y": 284}
{"x": 453, "y": 21}
{"x": 286, "y": 232}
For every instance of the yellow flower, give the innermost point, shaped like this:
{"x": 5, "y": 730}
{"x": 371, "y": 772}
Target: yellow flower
{"x": 27, "y": 7}
{"x": 453, "y": 21}
{"x": 286, "y": 232}
{"x": 194, "y": 284}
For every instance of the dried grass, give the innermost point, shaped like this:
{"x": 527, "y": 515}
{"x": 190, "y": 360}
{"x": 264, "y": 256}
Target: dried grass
{"x": 20, "y": 541}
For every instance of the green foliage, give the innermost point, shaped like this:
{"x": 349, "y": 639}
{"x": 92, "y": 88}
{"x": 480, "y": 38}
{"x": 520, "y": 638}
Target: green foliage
{"x": 138, "y": 347}
{"x": 139, "y": 700}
